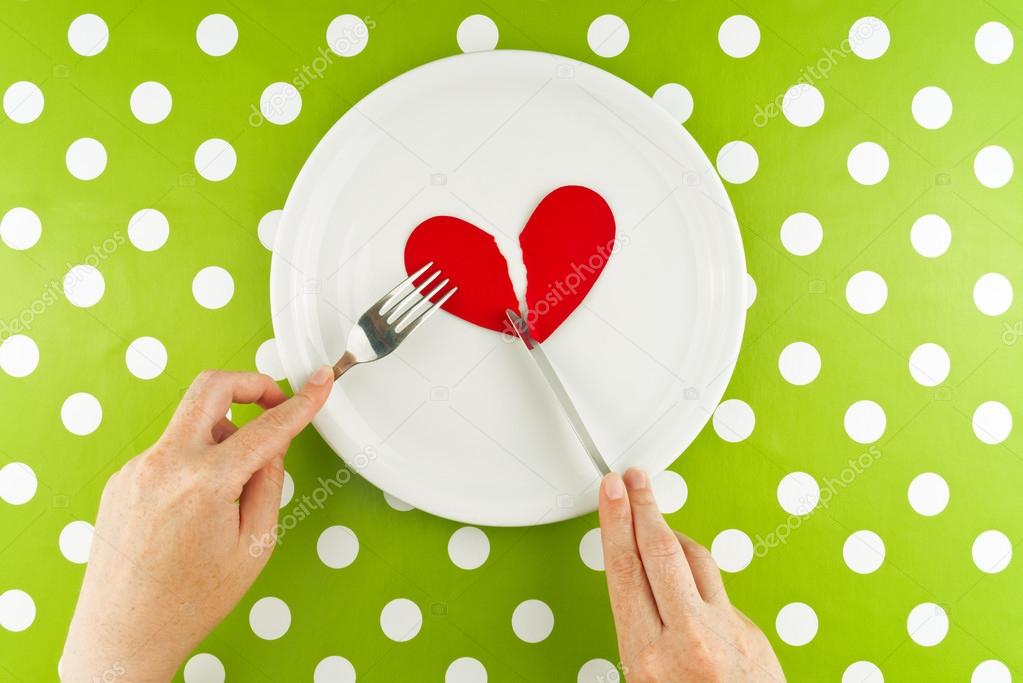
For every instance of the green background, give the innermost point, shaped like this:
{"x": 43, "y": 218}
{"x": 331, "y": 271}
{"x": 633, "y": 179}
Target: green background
{"x": 731, "y": 485}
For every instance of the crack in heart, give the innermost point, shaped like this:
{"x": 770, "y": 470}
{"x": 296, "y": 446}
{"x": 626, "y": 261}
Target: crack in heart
{"x": 565, "y": 245}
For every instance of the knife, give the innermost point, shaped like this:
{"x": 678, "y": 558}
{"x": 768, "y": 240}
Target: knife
{"x": 559, "y": 391}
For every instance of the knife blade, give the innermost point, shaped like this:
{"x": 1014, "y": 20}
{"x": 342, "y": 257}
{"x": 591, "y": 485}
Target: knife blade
{"x": 559, "y": 391}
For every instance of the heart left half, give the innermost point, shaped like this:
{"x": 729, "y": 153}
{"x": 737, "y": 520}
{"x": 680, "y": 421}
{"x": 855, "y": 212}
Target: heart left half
{"x": 469, "y": 257}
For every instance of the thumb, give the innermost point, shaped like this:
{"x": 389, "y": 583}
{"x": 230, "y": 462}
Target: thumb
{"x": 269, "y": 435}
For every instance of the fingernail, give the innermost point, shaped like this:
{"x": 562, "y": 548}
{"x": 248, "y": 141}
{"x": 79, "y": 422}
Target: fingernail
{"x": 613, "y": 486}
{"x": 322, "y": 375}
{"x": 636, "y": 478}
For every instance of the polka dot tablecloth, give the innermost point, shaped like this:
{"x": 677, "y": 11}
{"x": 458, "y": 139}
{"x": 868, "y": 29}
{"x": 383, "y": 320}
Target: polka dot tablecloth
{"x": 858, "y": 486}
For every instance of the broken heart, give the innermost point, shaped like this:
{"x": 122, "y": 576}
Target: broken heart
{"x": 565, "y": 245}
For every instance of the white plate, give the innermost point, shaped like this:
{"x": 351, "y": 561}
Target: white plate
{"x": 458, "y": 422}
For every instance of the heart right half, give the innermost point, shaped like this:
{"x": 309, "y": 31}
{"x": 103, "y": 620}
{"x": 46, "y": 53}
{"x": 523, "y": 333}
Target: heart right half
{"x": 565, "y": 244}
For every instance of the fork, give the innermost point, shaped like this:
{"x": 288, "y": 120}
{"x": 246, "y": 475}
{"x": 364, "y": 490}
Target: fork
{"x": 391, "y": 320}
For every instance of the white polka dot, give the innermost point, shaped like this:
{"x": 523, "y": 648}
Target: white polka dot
{"x": 801, "y": 234}
{"x": 869, "y": 38}
{"x": 267, "y": 229}
{"x": 477, "y": 33}
{"x": 751, "y": 290}
{"x": 150, "y": 102}
{"x": 337, "y": 546}
{"x": 20, "y": 228}
{"x": 148, "y": 229}
{"x": 84, "y": 286}
{"x": 216, "y": 35}
{"x": 608, "y": 35}
{"x": 670, "y": 491}
{"x": 334, "y": 669}
{"x": 532, "y": 621}
{"x": 75, "y": 541}
{"x": 347, "y": 35}
{"x": 739, "y": 36}
{"x": 737, "y": 162}
{"x": 88, "y": 35}
{"x": 932, "y": 107}
{"x": 993, "y": 166}
{"x": 928, "y": 494}
{"x": 401, "y": 619}
{"x": 19, "y": 355}
{"x": 215, "y": 159}
{"x": 23, "y": 102}
{"x": 868, "y": 163}
{"x": 280, "y": 103}
{"x": 81, "y": 413}
{"x": 866, "y": 292}
{"x": 287, "y": 486}
{"x": 591, "y": 550}
{"x": 732, "y": 550}
{"x": 796, "y": 623}
{"x": 268, "y": 361}
{"x": 930, "y": 235}
{"x": 803, "y": 105}
{"x": 676, "y": 100}
{"x": 799, "y": 363}
{"x": 798, "y": 493}
{"x": 734, "y": 420}
{"x": 146, "y": 357}
{"x": 397, "y": 503}
{"x": 17, "y": 610}
{"x": 204, "y": 668}
{"x": 991, "y": 671}
{"x": 863, "y": 552}
{"x": 213, "y": 287}
{"x": 929, "y": 364}
{"x": 18, "y": 483}
{"x": 466, "y": 670}
{"x": 992, "y": 551}
{"x": 993, "y": 42}
{"x": 992, "y": 294}
{"x": 270, "y": 618}
{"x": 86, "y": 158}
{"x": 468, "y": 547}
{"x": 992, "y": 422}
{"x": 862, "y": 672}
{"x": 927, "y": 624}
{"x": 865, "y": 422}
{"x": 599, "y": 671}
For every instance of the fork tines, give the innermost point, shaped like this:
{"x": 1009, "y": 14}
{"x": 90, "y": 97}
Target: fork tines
{"x": 409, "y": 310}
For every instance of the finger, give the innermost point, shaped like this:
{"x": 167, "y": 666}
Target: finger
{"x": 258, "y": 506}
{"x": 705, "y": 571}
{"x": 269, "y": 435}
{"x": 632, "y": 603}
{"x": 667, "y": 570}
{"x": 223, "y": 429}
{"x": 211, "y": 395}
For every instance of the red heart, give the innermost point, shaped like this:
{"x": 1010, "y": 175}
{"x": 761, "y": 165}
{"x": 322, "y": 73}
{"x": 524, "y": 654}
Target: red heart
{"x": 565, "y": 245}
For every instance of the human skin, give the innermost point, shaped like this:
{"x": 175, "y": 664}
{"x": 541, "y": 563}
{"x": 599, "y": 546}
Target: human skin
{"x": 171, "y": 552}
{"x": 672, "y": 615}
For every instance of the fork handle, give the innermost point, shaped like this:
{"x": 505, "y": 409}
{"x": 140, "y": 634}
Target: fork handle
{"x": 346, "y": 361}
